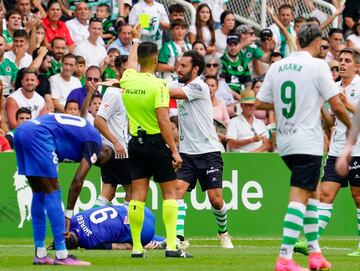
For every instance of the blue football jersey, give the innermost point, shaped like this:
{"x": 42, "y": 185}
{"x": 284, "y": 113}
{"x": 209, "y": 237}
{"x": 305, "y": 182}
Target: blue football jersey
{"x": 74, "y": 137}
{"x": 108, "y": 224}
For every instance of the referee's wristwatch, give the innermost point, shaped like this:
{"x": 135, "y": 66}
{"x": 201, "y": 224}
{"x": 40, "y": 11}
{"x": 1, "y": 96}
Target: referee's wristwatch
{"x": 135, "y": 41}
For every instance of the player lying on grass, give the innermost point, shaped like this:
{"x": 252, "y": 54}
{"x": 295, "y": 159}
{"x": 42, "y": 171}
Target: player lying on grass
{"x": 107, "y": 227}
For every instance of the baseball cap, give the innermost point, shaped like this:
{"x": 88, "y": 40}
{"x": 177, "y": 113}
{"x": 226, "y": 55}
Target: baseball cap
{"x": 232, "y": 38}
{"x": 244, "y": 28}
{"x": 128, "y": 2}
{"x": 266, "y": 33}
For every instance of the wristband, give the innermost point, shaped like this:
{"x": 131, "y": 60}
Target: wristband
{"x": 69, "y": 213}
{"x": 135, "y": 41}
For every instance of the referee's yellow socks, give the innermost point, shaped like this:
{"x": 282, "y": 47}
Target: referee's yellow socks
{"x": 170, "y": 212}
{"x": 136, "y": 220}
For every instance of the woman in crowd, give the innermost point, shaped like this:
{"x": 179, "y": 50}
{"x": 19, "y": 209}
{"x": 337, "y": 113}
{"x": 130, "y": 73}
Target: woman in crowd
{"x": 204, "y": 29}
{"x": 227, "y": 20}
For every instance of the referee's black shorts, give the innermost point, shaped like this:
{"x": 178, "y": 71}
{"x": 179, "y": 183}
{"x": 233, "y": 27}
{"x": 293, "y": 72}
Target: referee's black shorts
{"x": 152, "y": 158}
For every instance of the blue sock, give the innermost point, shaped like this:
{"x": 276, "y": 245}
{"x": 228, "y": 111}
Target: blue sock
{"x": 38, "y": 218}
{"x": 57, "y": 218}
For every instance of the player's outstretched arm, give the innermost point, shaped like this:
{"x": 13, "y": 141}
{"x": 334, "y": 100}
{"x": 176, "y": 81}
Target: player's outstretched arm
{"x": 260, "y": 105}
{"x": 338, "y": 108}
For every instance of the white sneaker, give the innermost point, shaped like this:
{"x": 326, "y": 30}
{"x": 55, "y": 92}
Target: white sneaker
{"x": 225, "y": 240}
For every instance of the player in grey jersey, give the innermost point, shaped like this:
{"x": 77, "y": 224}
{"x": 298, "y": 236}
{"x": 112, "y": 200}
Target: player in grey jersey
{"x": 199, "y": 144}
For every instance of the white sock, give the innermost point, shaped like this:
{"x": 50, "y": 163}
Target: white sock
{"x": 61, "y": 254}
{"x": 41, "y": 252}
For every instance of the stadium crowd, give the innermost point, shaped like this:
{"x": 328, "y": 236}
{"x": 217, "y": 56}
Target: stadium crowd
{"x": 53, "y": 54}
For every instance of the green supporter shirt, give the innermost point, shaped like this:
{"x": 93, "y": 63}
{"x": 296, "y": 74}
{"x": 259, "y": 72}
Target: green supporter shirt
{"x": 143, "y": 94}
{"x": 248, "y": 54}
{"x": 234, "y": 73}
{"x": 8, "y": 38}
{"x": 108, "y": 28}
{"x": 8, "y": 73}
{"x": 55, "y": 67}
{"x": 109, "y": 73}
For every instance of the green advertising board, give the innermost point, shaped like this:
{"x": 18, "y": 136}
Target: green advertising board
{"x": 256, "y": 190}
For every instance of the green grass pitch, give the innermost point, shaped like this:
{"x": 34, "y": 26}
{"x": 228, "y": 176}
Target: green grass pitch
{"x": 248, "y": 254}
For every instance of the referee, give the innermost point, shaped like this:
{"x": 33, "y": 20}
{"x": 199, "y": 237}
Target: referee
{"x": 152, "y": 150}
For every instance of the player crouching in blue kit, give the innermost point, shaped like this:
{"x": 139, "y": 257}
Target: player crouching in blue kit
{"x": 40, "y": 145}
{"x": 107, "y": 227}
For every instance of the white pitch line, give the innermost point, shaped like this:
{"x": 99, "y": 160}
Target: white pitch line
{"x": 16, "y": 246}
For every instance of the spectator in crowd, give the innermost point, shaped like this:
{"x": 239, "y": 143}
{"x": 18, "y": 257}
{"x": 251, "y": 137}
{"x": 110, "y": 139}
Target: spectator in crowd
{"x": 173, "y": 49}
{"x": 120, "y": 63}
{"x": 176, "y": 12}
{"x": 353, "y": 40}
{"x": 223, "y": 93}
{"x": 123, "y": 41}
{"x": 55, "y": 28}
{"x": 199, "y": 47}
{"x": 24, "y": 6}
{"x": 93, "y": 52}
{"x": 286, "y": 16}
{"x": 351, "y": 14}
{"x": 4, "y": 144}
{"x": 79, "y": 25}
{"x": 41, "y": 65}
{"x": 72, "y": 108}
{"x": 203, "y": 30}
{"x": 335, "y": 70}
{"x": 218, "y": 7}
{"x": 22, "y": 114}
{"x": 220, "y": 112}
{"x": 267, "y": 46}
{"x": 245, "y": 132}
{"x": 8, "y": 70}
{"x": 3, "y": 124}
{"x": 18, "y": 54}
{"x": 108, "y": 27}
{"x": 110, "y": 71}
{"x": 275, "y": 56}
{"x": 92, "y": 76}
{"x": 336, "y": 36}
{"x": 338, "y": 47}
{"x": 80, "y": 69}
{"x": 227, "y": 21}
{"x": 267, "y": 116}
{"x": 26, "y": 96}
{"x": 64, "y": 82}
{"x": 37, "y": 38}
{"x": 58, "y": 49}
{"x": 13, "y": 22}
{"x": 156, "y": 18}
{"x": 324, "y": 48}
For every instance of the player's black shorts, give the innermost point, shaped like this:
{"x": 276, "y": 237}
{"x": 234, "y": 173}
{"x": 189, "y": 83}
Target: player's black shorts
{"x": 207, "y": 168}
{"x": 305, "y": 170}
{"x": 330, "y": 175}
{"x": 117, "y": 171}
{"x": 152, "y": 158}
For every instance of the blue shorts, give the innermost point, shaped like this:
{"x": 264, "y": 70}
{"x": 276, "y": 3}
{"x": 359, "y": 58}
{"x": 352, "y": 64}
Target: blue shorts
{"x": 35, "y": 151}
{"x": 148, "y": 229}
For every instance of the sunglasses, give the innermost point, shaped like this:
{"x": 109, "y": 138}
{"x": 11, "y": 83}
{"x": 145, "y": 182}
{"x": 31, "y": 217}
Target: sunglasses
{"x": 336, "y": 69}
{"x": 209, "y": 65}
{"x": 324, "y": 47}
{"x": 92, "y": 79}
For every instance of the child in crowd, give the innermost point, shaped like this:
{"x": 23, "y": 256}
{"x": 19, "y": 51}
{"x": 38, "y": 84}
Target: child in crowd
{"x": 80, "y": 69}
{"x": 109, "y": 31}
{"x": 110, "y": 71}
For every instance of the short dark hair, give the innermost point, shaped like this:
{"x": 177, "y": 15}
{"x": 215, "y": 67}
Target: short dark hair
{"x": 80, "y": 60}
{"x": 275, "y": 54}
{"x": 94, "y": 20}
{"x": 113, "y": 50}
{"x": 308, "y": 33}
{"x": 325, "y": 38}
{"x": 286, "y": 6}
{"x": 224, "y": 14}
{"x": 178, "y": 22}
{"x": 52, "y": 2}
{"x": 103, "y": 5}
{"x": 355, "y": 54}
{"x": 313, "y": 19}
{"x": 300, "y": 19}
{"x": 12, "y": 12}
{"x": 119, "y": 60}
{"x": 69, "y": 55}
{"x": 200, "y": 42}
{"x": 95, "y": 95}
{"x": 176, "y": 8}
{"x": 71, "y": 243}
{"x": 333, "y": 31}
{"x": 29, "y": 71}
{"x": 55, "y": 39}
{"x": 22, "y": 110}
{"x": 120, "y": 27}
{"x": 21, "y": 33}
{"x": 196, "y": 60}
{"x": 71, "y": 101}
{"x": 146, "y": 49}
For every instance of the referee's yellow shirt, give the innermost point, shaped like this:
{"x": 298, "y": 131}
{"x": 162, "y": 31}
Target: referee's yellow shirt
{"x": 143, "y": 94}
